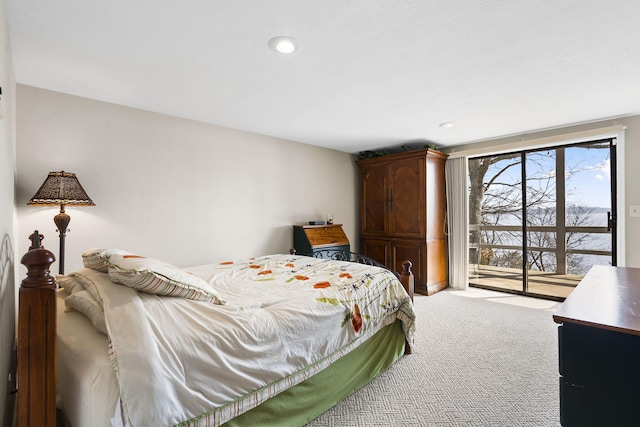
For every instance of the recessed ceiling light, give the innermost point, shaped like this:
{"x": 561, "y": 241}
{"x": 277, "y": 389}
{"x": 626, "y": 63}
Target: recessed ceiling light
{"x": 283, "y": 44}
{"x": 446, "y": 125}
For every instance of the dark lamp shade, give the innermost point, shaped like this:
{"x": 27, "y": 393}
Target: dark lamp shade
{"x": 61, "y": 188}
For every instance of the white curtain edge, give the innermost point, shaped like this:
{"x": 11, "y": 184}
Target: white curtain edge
{"x": 456, "y": 171}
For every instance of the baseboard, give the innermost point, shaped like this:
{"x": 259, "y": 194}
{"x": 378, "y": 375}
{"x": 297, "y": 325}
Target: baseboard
{"x": 432, "y": 288}
{"x": 436, "y": 287}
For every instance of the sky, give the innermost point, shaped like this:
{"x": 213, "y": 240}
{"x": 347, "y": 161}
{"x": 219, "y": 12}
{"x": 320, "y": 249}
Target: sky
{"x": 591, "y": 185}
{"x": 587, "y": 174}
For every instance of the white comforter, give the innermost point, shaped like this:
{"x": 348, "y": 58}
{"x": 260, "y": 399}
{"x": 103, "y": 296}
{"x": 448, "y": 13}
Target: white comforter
{"x": 287, "y": 317}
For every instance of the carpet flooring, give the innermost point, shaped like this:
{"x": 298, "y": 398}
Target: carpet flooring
{"x": 481, "y": 358}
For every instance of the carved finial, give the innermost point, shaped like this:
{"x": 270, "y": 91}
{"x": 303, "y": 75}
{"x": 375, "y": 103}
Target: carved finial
{"x": 36, "y": 240}
{"x": 38, "y": 260}
{"x": 406, "y": 267}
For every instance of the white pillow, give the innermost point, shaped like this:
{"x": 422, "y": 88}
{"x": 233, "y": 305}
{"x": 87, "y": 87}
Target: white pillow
{"x": 156, "y": 277}
{"x": 83, "y": 302}
{"x": 69, "y": 283}
{"x": 97, "y": 259}
{"x": 82, "y": 276}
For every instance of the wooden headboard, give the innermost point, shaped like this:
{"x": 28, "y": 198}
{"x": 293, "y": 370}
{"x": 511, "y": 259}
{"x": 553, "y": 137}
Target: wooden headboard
{"x": 37, "y": 339}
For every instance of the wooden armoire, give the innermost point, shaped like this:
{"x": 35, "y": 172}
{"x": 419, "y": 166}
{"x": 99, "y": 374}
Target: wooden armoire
{"x": 402, "y": 214}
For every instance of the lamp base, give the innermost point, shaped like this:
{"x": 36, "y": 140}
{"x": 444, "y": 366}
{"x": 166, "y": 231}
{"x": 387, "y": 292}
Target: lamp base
{"x": 62, "y": 222}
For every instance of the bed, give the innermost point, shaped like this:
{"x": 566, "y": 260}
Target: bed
{"x": 271, "y": 340}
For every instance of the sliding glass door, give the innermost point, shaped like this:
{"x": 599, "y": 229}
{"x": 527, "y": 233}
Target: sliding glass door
{"x": 540, "y": 219}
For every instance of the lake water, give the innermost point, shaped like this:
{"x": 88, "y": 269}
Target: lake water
{"x": 576, "y": 263}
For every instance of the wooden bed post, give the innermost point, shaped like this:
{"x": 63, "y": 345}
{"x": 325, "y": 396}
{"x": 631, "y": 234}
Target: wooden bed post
{"x": 37, "y": 339}
{"x": 407, "y": 279}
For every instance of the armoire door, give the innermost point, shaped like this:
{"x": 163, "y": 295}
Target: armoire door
{"x": 407, "y": 194}
{"x": 392, "y": 253}
{"x": 414, "y": 251}
{"x": 377, "y": 249}
{"x": 374, "y": 188}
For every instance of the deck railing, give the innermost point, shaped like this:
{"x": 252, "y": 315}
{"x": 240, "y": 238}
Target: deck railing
{"x": 560, "y": 251}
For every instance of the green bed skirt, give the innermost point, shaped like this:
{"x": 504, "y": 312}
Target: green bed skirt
{"x": 305, "y": 401}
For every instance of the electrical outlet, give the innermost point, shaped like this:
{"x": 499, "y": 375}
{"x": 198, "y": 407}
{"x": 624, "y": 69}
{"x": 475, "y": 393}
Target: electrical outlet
{"x": 634, "y": 211}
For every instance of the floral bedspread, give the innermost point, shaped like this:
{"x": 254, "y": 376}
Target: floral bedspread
{"x": 287, "y": 317}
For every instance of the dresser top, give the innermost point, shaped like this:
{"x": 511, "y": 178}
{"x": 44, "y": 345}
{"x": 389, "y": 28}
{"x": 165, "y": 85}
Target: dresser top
{"x": 606, "y": 298}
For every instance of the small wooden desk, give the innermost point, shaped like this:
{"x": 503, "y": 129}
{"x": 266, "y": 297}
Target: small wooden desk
{"x": 599, "y": 349}
{"x": 308, "y": 239}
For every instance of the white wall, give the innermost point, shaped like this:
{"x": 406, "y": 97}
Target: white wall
{"x": 7, "y": 212}
{"x": 182, "y": 191}
{"x": 628, "y": 176}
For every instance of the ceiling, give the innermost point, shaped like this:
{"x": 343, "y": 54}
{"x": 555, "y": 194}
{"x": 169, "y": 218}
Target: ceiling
{"x": 368, "y": 73}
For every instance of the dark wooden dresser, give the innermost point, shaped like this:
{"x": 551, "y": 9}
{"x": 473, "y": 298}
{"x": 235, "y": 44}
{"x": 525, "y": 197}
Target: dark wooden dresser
{"x": 308, "y": 239}
{"x": 599, "y": 349}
